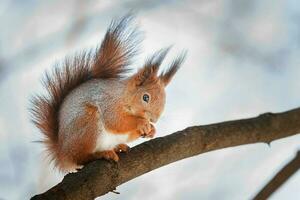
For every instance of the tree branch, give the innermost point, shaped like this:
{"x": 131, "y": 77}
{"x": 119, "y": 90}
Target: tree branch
{"x": 99, "y": 177}
{"x": 280, "y": 178}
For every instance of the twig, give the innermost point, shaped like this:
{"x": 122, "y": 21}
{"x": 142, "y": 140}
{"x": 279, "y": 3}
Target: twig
{"x": 279, "y": 179}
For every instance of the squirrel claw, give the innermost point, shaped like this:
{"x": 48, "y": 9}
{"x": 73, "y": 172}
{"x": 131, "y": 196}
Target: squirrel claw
{"x": 122, "y": 148}
{"x": 79, "y": 168}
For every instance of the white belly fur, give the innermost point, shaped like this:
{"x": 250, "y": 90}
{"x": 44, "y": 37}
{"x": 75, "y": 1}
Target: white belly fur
{"x": 108, "y": 141}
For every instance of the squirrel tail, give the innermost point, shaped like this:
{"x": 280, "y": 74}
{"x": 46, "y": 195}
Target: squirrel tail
{"x": 45, "y": 109}
{"x": 110, "y": 60}
{"x": 117, "y": 49}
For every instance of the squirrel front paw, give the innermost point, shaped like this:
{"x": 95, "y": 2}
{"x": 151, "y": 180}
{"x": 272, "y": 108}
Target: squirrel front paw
{"x": 146, "y": 129}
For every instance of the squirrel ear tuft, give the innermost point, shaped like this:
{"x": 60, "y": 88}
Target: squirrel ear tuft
{"x": 148, "y": 73}
{"x": 167, "y": 75}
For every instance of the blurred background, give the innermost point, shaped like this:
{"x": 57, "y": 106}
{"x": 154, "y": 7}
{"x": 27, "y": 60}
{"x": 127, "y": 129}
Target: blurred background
{"x": 243, "y": 60}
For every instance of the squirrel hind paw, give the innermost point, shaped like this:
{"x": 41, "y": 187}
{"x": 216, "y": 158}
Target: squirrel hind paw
{"x": 108, "y": 155}
{"x": 122, "y": 148}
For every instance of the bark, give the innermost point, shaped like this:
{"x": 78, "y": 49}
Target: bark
{"x": 99, "y": 177}
{"x": 279, "y": 179}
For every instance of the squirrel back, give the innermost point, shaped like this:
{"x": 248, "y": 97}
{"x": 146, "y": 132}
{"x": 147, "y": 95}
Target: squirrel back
{"x": 91, "y": 92}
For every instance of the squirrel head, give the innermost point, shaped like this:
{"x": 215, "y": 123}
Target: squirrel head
{"x": 145, "y": 92}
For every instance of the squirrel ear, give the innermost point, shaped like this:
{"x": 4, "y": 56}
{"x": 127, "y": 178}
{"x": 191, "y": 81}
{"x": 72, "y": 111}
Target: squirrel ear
{"x": 168, "y": 74}
{"x": 148, "y": 73}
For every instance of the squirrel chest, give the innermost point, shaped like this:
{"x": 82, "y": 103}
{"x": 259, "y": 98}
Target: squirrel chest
{"x": 108, "y": 141}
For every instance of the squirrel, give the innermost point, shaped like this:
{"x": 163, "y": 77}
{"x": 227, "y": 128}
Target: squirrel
{"x": 93, "y": 107}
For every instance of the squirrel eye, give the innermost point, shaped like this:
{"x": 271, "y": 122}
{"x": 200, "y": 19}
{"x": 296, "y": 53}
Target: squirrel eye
{"x": 146, "y": 98}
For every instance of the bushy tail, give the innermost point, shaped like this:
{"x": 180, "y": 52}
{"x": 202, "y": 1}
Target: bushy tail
{"x": 119, "y": 46}
{"x": 110, "y": 60}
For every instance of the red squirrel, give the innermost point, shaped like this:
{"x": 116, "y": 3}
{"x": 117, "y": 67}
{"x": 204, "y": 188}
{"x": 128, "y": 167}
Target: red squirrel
{"x": 93, "y": 107}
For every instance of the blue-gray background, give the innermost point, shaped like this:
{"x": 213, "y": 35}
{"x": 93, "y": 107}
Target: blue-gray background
{"x": 243, "y": 60}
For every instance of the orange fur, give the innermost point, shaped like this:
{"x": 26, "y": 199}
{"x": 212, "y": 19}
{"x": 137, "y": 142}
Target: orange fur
{"x": 167, "y": 75}
{"x": 108, "y": 155}
{"x": 127, "y": 123}
{"x": 119, "y": 41}
{"x": 81, "y": 148}
{"x": 131, "y": 115}
{"x": 116, "y": 50}
{"x": 122, "y": 148}
{"x": 45, "y": 109}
